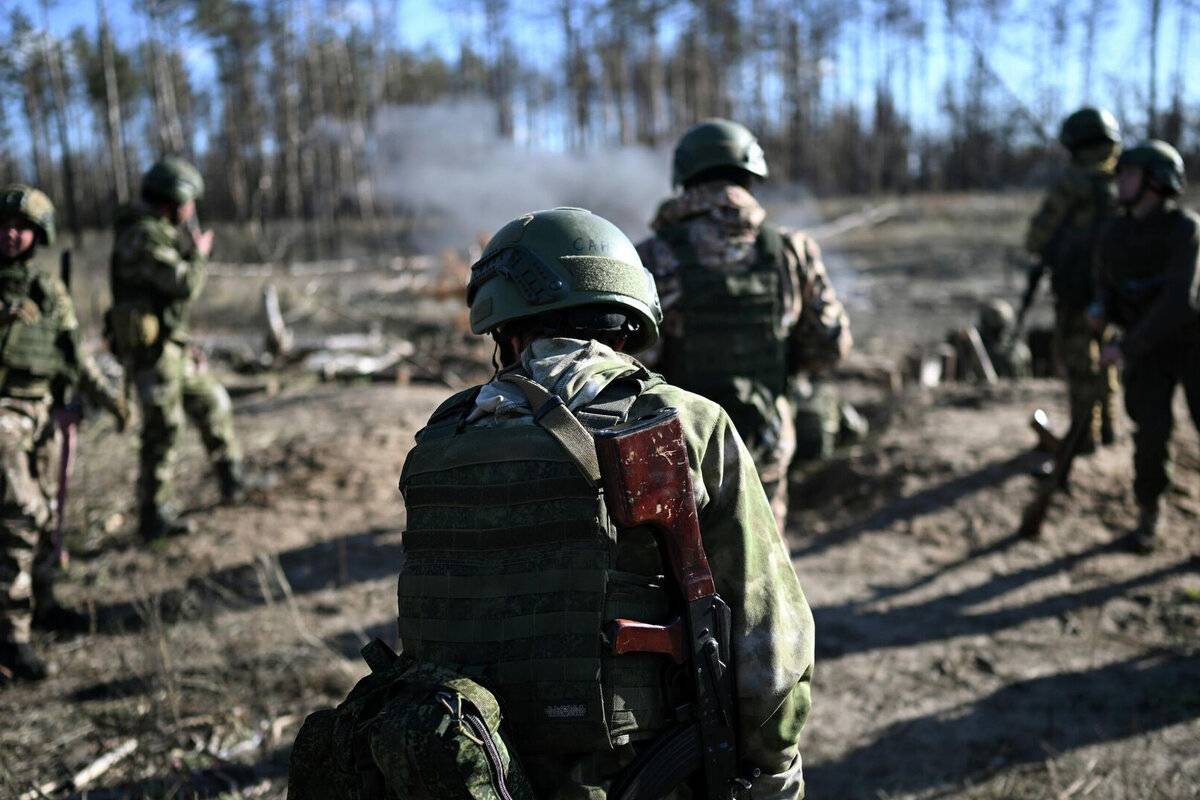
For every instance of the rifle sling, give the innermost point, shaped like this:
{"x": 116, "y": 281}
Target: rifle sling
{"x": 552, "y": 414}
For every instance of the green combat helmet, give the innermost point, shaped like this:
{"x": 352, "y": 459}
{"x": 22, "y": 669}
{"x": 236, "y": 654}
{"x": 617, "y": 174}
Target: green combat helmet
{"x": 1089, "y": 126}
{"x": 32, "y": 205}
{"x": 996, "y": 317}
{"x": 560, "y": 259}
{"x": 717, "y": 143}
{"x": 1160, "y": 163}
{"x": 173, "y": 180}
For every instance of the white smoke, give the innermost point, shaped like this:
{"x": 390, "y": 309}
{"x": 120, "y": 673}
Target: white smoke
{"x": 448, "y": 162}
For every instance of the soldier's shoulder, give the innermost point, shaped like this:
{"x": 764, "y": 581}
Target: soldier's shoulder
{"x": 700, "y": 416}
{"x": 1187, "y": 222}
{"x": 656, "y": 255}
{"x": 452, "y": 408}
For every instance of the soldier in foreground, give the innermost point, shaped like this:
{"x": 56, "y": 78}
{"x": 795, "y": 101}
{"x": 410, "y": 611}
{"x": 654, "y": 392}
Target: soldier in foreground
{"x": 513, "y": 570}
{"x": 1063, "y": 234}
{"x": 158, "y": 270}
{"x": 40, "y": 361}
{"x": 1148, "y": 266}
{"x": 747, "y": 306}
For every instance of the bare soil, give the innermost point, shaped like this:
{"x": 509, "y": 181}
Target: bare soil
{"x": 955, "y": 659}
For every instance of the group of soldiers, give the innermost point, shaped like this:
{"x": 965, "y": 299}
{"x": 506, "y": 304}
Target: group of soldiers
{"x": 1124, "y": 263}
{"x": 158, "y": 269}
{"x": 516, "y": 564}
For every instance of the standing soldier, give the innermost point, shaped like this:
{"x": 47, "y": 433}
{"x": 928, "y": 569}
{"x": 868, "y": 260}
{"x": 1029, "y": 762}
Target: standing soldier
{"x": 747, "y": 306}
{"x": 158, "y": 269}
{"x": 512, "y": 568}
{"x": 1148, "y": 264}
{"x": 40, "y": 361}
{"x": 1063, "y": 236}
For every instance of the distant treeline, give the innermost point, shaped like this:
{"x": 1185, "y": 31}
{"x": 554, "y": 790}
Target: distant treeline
{"x": 284, "y": 127}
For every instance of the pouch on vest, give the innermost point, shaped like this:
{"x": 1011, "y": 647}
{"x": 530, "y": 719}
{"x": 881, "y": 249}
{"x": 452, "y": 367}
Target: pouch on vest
{"x": 129, "y": 328}
{"x": 409, "y": 729}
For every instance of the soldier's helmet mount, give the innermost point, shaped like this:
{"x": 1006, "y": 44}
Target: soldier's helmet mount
{"x": 715, "y": 143}
{"x": 558, "y": 260}
{"x": 20, "y": 201}
{"x": 1161, "y": 165}
{"x": 172, "y": 180}
{"x": 1087, "y": 127}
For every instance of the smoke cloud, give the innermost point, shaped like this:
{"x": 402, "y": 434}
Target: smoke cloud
{"x": 446, "y": 160}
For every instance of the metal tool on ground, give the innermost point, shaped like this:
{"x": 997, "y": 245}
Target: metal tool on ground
{"x": 644, "y": 469}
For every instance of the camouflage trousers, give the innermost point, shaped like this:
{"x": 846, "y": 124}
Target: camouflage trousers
{"x": 818, "y": 416}
{"x": 772, "y": 447}
{"x": 1150, "y": 385}
{"x": 1079, "y": 355}
{"x": 171, "y": 388}
{"x": 28, "y": 457}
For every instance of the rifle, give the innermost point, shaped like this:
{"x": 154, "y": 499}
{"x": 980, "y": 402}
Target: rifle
{"x": 66, "y": 416}
{"x": 1033, "y": 280}
{"x": 1035, "y": 513}
{"x": 644, "y": 471}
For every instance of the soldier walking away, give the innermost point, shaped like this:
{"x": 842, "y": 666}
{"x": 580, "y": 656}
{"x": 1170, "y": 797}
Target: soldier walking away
{"x": 514, "y": 570}
{"x": 158, "y": 270}
{"x": 747, "y": 305}
{"x": 1062, "y": 234}
{"x": 1148, "y": 267}
{"x": 40, "y": 363}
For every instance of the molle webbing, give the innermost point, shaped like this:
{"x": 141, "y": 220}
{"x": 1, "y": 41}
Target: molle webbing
{"x": 32, "y": 348}
{"x": 508, "y": 577}
{"x": 731, "y": 320}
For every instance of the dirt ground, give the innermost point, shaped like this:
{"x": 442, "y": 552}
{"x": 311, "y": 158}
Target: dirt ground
{"x": 955, "y": 659}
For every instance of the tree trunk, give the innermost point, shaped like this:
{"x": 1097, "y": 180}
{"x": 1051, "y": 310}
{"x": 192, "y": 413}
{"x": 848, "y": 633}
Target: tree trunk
{"x": 114, "y": 124}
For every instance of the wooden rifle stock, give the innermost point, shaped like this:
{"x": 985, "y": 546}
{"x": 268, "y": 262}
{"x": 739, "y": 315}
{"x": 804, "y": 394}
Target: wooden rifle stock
{"x": 1035, "y": 513}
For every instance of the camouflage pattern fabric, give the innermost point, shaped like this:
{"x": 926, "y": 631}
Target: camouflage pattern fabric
{"x": 723, "y": 222}
{"x": 818, "y": 417}
{"x": 772, "y": 624}
{"x": 1148, "y": 272}
{"x": 170, "y": 388}
{"x": 1079, "y": 358}
{"x": 28, "y": 449}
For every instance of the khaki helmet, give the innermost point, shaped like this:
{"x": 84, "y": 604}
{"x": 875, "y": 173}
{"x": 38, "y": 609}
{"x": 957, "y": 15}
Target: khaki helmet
{"x": 717, "y": 143}
{"x": 560, "y": 259}
{"x": 31, "y": 205}
{"x": 996, "y": 316}
{"x": 1089, "y": 126}
{"x": 1160, "y": 163}
{"x": 173, "y": 180}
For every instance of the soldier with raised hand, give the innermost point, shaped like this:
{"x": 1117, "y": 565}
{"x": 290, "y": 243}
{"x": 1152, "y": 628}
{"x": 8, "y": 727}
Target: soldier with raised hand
{"x": 1063, "y": 234}
{"x": 747, "y": 305}
{"x": 40, "y": 362}
{"x": 511, "y": 565}
{"x": 158, "y": 270}
{"x": 1148, "y": 268}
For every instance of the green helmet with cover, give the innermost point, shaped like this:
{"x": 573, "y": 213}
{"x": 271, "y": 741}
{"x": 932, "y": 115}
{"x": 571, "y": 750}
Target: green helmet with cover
{"x": 1160, "y": 163}
{"x": 172, "y": 180}
{"x": 32, "y": 205}
{"x": 563, "y": 258}
{"x": 1089, "y": 126}
{"x": 996, "y": 316}
{"x": 717, "y": 143}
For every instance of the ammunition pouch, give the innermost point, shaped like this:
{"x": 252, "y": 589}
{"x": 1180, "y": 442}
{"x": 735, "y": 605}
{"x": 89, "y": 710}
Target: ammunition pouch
{"x": 409, "y": 729}
{"x": 130, "y": 328}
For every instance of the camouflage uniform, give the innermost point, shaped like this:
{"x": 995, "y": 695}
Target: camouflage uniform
{"x": 40, "y": 358}
{"x": 715, "y": 227}
{"x": 1010, "y": 356}
{"x": 156, "y": 277}
{"x": 1148, "y": 269}
{"x": 1063, "y": 234}
{"x": 773, "y": 629}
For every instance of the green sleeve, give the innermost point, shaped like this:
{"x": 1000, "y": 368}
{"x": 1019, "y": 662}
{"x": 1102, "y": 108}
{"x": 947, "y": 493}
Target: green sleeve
{"x": 148, "y": 259}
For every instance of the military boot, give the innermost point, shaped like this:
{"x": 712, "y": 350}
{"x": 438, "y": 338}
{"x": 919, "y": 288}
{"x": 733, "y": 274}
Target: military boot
{"x": 160, "y": 522}
{"x": 1145, "y": 535}
{"x": 18, "y": 662}
{"x": 236, "y": 481}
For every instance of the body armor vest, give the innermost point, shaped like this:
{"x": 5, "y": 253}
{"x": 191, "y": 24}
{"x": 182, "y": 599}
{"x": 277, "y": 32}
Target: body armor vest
{"x": 30, "y": 347}
{"x": 511, "y": 572}
{"x": 1135, "y": 258}
{"x": 1071, "y": 273}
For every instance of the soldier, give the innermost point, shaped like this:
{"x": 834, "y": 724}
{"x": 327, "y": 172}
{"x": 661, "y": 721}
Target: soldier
{"x": 510, "y": 566}
{"x": 1063, "y": 235}
{"x": 158, "y": 269}
{"x": 1010, "y": 356}
{"x": 1148, "y": 267}
{"x": 40, "y": 362}
{"x": 747, "y": 305}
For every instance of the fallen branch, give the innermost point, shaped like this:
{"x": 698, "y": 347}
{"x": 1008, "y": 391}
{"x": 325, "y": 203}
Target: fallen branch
{"x": 88, "y": 774}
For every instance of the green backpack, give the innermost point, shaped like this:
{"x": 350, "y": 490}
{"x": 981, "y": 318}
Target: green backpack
{"x": 409, "y": 730}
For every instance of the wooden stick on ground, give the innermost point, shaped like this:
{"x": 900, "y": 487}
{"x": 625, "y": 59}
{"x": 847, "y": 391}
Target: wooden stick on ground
{"x": 86, "y": 775}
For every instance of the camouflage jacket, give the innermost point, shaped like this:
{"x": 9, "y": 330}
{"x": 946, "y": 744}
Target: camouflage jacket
{"x": 155, "y": 265}
{"x": 772, "y": 623}
{"x": 34, "y": 298}
{"x": 724, "y": 220}
{"x": 1148, "y": 275}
